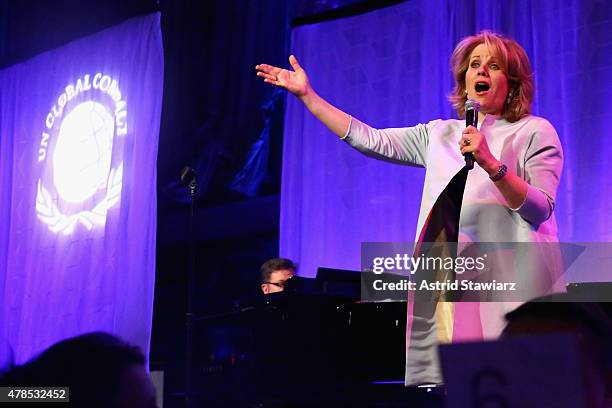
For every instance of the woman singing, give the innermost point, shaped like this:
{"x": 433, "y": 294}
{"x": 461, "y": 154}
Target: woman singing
{"x": 508, "y": 197}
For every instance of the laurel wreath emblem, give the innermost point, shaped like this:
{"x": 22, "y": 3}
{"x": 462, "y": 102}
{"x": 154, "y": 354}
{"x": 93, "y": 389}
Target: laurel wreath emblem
{"x": 57, "y": 221}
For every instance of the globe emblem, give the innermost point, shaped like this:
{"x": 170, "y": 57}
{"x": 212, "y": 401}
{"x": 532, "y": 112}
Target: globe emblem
{"x": 82, "y": 155}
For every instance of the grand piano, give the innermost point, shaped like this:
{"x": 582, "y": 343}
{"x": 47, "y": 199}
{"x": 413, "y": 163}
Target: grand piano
{"x": 316, "y": 344}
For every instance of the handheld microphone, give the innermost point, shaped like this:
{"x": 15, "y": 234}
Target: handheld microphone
{"x": 471, "y": 119}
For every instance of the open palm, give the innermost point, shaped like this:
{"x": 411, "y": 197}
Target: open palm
{"x": 295, "y": 81}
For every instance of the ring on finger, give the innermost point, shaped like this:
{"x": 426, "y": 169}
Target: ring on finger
{"x": 466, "y": 142}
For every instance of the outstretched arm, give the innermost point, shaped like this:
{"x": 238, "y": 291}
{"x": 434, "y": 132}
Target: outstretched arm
{"x": 296, "y": 82}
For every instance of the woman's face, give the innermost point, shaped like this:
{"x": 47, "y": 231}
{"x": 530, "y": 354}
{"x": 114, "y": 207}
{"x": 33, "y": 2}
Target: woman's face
{"x": 485, "y": 81}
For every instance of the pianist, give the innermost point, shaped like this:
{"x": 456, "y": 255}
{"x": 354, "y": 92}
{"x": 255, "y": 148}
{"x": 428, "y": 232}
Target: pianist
{"x": 274, "y": 273}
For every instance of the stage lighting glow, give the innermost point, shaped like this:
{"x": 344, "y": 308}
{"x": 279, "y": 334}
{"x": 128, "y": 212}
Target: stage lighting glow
{"x": 82, "y": 156}
{"x": 81, "y": 183}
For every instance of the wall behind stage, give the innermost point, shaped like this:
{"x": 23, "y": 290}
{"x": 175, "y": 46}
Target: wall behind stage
{"x": 390, "y": 68}
{"x": 79, "y": 129}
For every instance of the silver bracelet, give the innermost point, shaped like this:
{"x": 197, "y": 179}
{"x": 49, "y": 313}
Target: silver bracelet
{"x": 500, "y": 174}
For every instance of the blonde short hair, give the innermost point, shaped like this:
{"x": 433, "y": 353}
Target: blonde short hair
{"x": 514, "y": 63}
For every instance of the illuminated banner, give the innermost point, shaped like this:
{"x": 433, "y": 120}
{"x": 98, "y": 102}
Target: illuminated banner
{"x": 79, "y": 127}
{"x": 80, "y": 166}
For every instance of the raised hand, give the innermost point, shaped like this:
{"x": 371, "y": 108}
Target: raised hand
{"x": 295, "y": 81}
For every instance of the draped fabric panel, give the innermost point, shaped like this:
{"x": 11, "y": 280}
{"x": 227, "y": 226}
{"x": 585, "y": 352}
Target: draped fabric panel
{"x": 390, "y": 68}
{"x": 79, "y": 130}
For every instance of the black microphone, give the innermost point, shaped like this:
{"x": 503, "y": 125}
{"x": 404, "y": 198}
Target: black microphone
{"x": 471, "y": 119}
{"x": 187, "y": 175}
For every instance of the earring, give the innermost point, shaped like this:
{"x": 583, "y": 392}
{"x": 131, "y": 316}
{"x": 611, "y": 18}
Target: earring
{"x": 509, "y": 98}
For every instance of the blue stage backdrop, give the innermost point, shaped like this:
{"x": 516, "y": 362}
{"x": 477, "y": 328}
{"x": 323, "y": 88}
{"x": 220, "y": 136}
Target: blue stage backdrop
{"x": 390, "y": 68}
{"x": 79, "y": 128}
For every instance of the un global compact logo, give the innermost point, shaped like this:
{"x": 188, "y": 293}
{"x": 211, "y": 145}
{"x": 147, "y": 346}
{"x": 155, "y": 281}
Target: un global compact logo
{"x": 79, "y": 181}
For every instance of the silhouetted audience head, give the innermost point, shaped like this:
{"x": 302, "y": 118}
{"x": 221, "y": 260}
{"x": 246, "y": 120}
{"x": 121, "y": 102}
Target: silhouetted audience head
{"x": 274, "y": 273}
{"x": 100, "y": 369}
{"x": 587, "y": 321}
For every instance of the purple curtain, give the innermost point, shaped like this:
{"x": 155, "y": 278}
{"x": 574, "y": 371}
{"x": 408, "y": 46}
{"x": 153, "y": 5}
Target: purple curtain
{"x": 79, "y": 128}
{"x": 390, "y": 68}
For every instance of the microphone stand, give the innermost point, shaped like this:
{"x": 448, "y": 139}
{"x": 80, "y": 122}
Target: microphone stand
{"x": 188, "y": 177}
